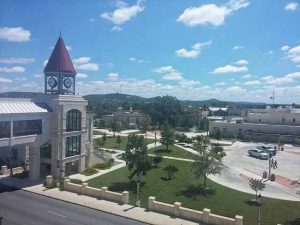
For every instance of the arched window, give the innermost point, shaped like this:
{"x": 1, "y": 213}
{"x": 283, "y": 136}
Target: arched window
{"x": 73, "y": 120}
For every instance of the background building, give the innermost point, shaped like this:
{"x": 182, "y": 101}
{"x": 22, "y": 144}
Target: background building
{"x": 53, "y": 132}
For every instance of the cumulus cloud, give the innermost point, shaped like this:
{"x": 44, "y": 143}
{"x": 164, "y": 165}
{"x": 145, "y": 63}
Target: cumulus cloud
{"x": 237, "y": 47}
{"x": 291, "y": 6}
{"x": 83, "y": 63}
{"x": 247, "y": 76}
{"x": 242, "y": 62}
{"x": 122, "y": 14}
{"x": 5, "y": 80}
{"x": 113, "y": 76}
{"x": 220, "y": 84}
{"x": 169, "y": 73}
{"x": 252, "y": 82}
{"x": 235, "y": 90}
{"x": 15, "y": 34}
{"x": 81, "y": 76}
{"x": 293, "y": 53}
{"x": 194, "y": 51}
{"x": 172, "y": 76}
{"x": 14, "y": 60}
{"x": 15, "y": 69}
{"x": 285, "y": 48}
{"x": 287, "y": 79}
{"x": 210, "y": 14}
{"x": 230, "y": 69}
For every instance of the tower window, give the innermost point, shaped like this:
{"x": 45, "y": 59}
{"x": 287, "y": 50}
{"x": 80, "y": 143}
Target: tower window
{"x": 282, "y": 120}
{"x": 73, "y": 145}
{"x": 294, "y": 120}
{"x": 73, "y": 120}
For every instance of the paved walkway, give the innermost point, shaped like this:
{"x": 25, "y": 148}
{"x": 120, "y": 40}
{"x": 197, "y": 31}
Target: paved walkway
{"x": 125, "y": 210}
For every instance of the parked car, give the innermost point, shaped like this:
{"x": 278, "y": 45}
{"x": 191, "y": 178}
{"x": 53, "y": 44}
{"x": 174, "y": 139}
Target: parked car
{"x": 269, "y": 150}
{"x": 258, "y": 153}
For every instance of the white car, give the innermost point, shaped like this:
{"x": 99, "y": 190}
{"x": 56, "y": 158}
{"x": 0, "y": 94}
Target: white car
{"x": 258, "y": 153}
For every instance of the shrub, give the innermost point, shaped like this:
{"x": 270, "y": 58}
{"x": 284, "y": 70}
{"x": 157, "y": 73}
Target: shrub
{"x": 76, "y": 181}
{"x": 170, "y": 170}
{"x": 156, "y": 160}
{"x": 105, "y": 165}
{"x": 89, "y": 171}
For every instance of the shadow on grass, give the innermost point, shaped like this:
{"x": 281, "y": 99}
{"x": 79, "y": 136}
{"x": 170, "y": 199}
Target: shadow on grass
{"x": 293, "y": 222}
{"x": 162, "y": 150}
{"x": 194, "y": 191}
{"x": 125, "y": 186}
{"x": 251, "y": 202}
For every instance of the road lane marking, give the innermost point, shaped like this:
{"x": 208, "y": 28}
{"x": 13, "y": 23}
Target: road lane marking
{"x": 57, "y": 214}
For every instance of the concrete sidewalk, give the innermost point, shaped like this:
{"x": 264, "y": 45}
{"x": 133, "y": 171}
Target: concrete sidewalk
{"x": 127, "y": 211}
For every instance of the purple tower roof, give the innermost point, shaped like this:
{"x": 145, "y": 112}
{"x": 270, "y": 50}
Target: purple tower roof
{"x": 60, "y": 60}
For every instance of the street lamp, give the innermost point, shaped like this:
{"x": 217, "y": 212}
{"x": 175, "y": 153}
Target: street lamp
{"x": 259, "y": 203}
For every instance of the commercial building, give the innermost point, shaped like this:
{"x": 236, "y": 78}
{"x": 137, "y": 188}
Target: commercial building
{"x": 268, "y": 125}
{"x": 53, "y": 132}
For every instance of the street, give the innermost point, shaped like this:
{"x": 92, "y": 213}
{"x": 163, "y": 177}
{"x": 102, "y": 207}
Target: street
{"x": 21, "y": 207}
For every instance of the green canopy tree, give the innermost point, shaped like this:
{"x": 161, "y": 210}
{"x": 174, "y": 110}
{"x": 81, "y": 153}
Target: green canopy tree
{"x": 119, "y": 140}
{"x": 256, "y": 185}
{"x": 115, "y": 126}
{"x": 137, "y": 160}
{"x": 208, "y": 159}
{"x": 167, "y": 136}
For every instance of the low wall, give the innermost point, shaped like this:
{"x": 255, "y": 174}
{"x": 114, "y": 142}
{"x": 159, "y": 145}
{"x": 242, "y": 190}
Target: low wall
{"x": 103, "y": 193}
{"x": 204, "y": 217}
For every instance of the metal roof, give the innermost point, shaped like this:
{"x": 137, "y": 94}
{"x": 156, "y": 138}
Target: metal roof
{"x": 60, "y": 60}
{"x": 22, "y": 107}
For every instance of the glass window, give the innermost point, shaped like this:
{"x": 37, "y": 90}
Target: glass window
{"x": 73, "y": 145}
{"x": 73, "y": 120}
{"x": 4, "y": 129}
{"x": 45, "y": 151}
{"x": 27, "y": 127}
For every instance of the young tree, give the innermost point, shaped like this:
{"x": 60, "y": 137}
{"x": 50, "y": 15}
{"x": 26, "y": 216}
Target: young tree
{"x": 104, "y": 137}
{"x": 137, "y": 159}
{"x": 156, "y": 160}
{"x": 170, "y": 170}
{"x": 167, "y": 136}
{"x": 146, "y": 124}
{"x": 256, "y": 185}
{"x": 115, "y": 126}
{"x": 119, "y": 140}
{"x": 208, "y": 159}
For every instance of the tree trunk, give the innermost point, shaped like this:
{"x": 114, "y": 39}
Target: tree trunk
{"x": 138, "y": 185}
{"x": 205, "y": 181}
{"x": 167, "y": 146}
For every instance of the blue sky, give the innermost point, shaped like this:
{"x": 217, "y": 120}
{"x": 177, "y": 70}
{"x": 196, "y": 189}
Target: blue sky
{"x": 238, "y": 50}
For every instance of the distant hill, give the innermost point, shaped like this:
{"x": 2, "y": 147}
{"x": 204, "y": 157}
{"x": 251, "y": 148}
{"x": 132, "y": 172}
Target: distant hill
{"x": 20, "y": 94}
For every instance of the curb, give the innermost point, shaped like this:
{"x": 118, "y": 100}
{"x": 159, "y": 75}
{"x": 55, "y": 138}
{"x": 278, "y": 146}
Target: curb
{"x": 115, "y": 214}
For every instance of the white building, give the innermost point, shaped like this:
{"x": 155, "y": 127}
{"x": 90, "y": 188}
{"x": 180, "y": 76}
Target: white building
{"x": 261, "y": 125}
{"x": 52, "y": 131}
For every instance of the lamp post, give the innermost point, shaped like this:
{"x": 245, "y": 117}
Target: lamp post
{"x": 270, "y": 165}
{"x": 259, "y": 203}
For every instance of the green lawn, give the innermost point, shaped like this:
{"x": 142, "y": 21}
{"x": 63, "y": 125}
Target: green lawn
{"x": 173, "y": 151}
{"x": 111, "y": 142}
{"x": 224, "y": 201}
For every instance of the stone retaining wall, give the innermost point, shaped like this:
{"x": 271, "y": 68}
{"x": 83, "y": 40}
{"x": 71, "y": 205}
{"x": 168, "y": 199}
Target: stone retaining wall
{"x": 103, "y": 193}
{"x": 203, "y": 217}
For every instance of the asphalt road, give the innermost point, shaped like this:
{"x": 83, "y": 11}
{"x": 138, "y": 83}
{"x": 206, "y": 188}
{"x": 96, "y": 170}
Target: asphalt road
{"x": 20, "y": 207}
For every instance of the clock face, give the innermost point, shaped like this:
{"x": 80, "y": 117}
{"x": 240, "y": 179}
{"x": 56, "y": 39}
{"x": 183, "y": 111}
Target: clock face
{"x": 67, "y": 82}
{"x": 52, "y": 82}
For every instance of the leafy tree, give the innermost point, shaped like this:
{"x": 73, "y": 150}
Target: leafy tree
{"x": 208, "y": 159}
{"x": 146, "y": 123}
{"x": 256, "y": 185}
{"x": 167, "y": 136}
{"x": 189, "y": 140}
{"x": 98, "y": 143}
{"x": 156, "y": 160}
{"x": 119, "y": 140}
{"x": 170, "y": 170}
{"x": 104, "y": 138}
{"x": 137, "y": 159}
{"x": 181, "y": 138}
{"x": 115, "y": 125}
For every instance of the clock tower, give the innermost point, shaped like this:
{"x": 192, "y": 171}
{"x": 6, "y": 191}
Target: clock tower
{"x": 59, "y": 71}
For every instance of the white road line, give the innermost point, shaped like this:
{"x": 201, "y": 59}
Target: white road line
{"x": 57, "y": 214}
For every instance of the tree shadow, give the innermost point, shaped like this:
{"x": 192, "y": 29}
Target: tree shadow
{"x": 293, "y": 222}
{"x": 162, "y": 150}
{"x": 251, "y": 202}
{"x": 124, "y": 186}
{"x": 194, "y": 191}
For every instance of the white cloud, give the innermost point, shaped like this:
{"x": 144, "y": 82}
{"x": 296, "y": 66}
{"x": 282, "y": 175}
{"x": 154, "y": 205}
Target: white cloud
{"x": 194, "y": 52}
{"x": 220, "y": 84}
{"x": 5, "y": 80}
{"x": 210, "y": 13}
{"x": 82, "y": 60}
{"x": 81, "y": 75}
{"x": 293, "y": 54}
{"x": 83, "y": 63}
{"x": 113, "y": 76}
{"x": 164, "y": 69}
{"x": 237, "y": 47}
{"x": 291, "y": 6}
{"x": 116, "y": 28}
{"x": 235, "y": 90}
{"x": 45, "y": 62}
{"x": 132, "y": 59}
{"x": 14, "y": 60}
{"x": 252, "y": 82}
{"x": 88, "y": 66}
{"x": 230, "y": 69}
{"x": 285, "y": 48}
{"x": 38, "y": 75}
{"x": 242, "y": 62}
{"x": 123, "y": 13}
{"x": 247, "y": 76}
{"x": 172, "y": 76}
{"x": 278, "y": 80}
{"x": 15, "y": 34}
{"x": 15, "y": 69}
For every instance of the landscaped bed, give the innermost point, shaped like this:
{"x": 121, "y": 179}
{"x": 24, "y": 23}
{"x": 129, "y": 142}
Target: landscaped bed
{"x": 183, "y": 188}
{"x": 173, "y": 151}
{"x": 111, "y": 142}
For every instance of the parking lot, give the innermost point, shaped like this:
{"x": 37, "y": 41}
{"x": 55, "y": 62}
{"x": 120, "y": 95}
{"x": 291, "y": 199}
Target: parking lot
{"x": 239, "y": 167}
